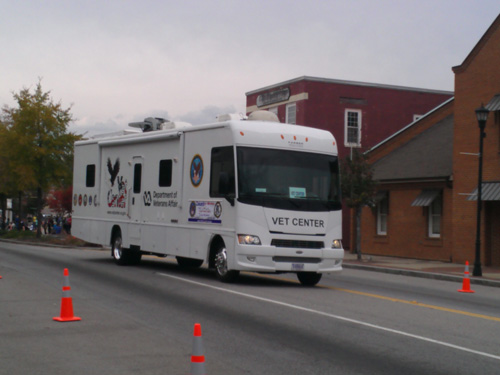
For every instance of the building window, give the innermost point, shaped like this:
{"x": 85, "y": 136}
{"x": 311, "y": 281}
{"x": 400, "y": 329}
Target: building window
{"x": 435, "y": 213}
{"x": 382, "y": 212}
{"x": 274, "y": 110}
{"x": 291, "y": 113}
{"x": 352, "y": 128}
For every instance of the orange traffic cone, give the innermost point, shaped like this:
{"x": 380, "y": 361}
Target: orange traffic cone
{"x": 66, "y": 302}
{"x": 197, "y": 358}
{"x": 466, "y": 281}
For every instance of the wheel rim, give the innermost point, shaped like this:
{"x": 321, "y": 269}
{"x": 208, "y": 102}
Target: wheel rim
{"x": 117, "y": 248}
{"x": 221, "y": 261}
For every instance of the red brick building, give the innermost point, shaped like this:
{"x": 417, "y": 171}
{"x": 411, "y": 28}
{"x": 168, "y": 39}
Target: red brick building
{"x": 477, "y": 80}
{"x": 414, "y": 169}
{"x": 428, "y": 172}
{"x": 359, "y": 115}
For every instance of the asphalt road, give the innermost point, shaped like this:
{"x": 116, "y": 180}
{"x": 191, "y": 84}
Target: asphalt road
{"x": 140, "y": 320}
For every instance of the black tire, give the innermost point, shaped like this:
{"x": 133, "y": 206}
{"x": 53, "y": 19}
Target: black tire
{"x": 309, "y": 278}
{"x": 220, "y": 263}
{"x": 121, "y": 255}
{"x": 189, "y": 262}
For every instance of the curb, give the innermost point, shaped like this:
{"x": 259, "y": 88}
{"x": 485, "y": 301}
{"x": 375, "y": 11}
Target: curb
{"x": 51, "y": 245}
{"x": 425, "y": 275}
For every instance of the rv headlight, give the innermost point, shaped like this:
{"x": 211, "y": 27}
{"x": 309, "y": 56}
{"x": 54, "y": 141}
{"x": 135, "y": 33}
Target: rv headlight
{"x": 337, "y": 244}
{"x": 247, "y": 239}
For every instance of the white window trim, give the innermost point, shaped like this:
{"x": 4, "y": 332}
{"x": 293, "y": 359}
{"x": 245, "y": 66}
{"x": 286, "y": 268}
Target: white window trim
{"x": 380, "y": 231}
{"x": 289, "y": 106}
{"x": 360, "y": 122}
{"x": 432, "y": 217}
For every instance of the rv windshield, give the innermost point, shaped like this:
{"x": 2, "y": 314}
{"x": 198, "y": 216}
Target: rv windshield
{"x": 289, "y": 180}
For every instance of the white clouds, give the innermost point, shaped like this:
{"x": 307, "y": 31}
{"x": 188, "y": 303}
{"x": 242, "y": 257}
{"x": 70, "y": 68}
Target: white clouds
{"x": 121, "y": 61}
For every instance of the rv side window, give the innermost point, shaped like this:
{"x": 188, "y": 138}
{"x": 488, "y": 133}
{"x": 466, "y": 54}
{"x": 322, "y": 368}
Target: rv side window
{"x": 165, "y": 174}
{"x": 137, "y": 178}
{"x": 222, "y": 172}
{"x": 90, "y": 180}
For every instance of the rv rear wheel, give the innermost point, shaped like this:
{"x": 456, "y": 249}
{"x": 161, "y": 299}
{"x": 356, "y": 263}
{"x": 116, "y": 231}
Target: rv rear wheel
{"x": 123, "y": 256}
{"x": 221, "y": 270}
{"x": 309, "y": 278}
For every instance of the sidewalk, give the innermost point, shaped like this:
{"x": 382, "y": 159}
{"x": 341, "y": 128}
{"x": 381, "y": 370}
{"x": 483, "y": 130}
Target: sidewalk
{"x": 422, "y": 268}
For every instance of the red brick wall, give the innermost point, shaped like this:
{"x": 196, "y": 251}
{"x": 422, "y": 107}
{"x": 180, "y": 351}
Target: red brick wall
{"x": 384, "y": 110}
{"x": 477, "y": 80}
{"x": 407, "y": 226}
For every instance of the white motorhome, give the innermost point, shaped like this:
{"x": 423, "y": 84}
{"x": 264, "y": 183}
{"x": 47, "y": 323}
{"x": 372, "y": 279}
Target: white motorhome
{"x": 238, "y": 194}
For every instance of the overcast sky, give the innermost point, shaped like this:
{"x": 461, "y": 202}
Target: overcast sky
{"x": 115, "y": 62}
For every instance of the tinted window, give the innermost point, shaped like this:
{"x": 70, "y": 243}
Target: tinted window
{"x": 90, "y": 180}
{"x": 137, "y": 178}
{"x": 165, "y": 174}
{"x": 222, "y": 172}
{"x": 290, "y": 180}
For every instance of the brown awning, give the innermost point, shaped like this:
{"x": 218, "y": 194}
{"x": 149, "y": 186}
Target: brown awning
{"x": 490, "y": 191}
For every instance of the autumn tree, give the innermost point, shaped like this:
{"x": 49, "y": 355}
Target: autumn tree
{"x": 38, "y": 146}
{"x": 358, "y": 188}
{"x": 60, "y": 200}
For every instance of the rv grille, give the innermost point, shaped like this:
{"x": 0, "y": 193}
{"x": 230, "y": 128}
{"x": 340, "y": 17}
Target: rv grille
{"x": 298, "y": 244}
{"x": 296, "y": 260}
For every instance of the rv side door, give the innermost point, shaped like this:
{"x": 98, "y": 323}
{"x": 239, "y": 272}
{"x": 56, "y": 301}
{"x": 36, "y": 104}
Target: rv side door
{"x": 136, "y": 193}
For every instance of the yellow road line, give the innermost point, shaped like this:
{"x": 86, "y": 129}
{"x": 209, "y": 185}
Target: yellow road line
{"x": 414, "y": 303}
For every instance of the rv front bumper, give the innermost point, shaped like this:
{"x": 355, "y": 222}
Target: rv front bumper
{"x": 272, "y": 259}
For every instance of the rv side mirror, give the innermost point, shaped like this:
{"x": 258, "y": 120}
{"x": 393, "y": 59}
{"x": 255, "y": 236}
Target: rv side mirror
{"x": 225, "y": 187}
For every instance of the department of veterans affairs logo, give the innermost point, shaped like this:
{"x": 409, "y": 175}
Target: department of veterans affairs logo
{"x": 196, "y": 170}
{"x": 217, "y": 210}
{"x": 147, "y": 198}
{"x": 192, "y": 209}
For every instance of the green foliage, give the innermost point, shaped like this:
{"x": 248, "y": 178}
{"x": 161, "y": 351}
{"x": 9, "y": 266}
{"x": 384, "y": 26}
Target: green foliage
{"x": 37, "y": 150}
{"x": 358, "y": 186}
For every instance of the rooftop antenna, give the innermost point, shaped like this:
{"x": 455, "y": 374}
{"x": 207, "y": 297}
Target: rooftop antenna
{"x": 149, "y": 124}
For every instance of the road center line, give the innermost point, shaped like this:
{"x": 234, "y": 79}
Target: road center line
{"x": 415, "y": 303}
{"x": 338, "y": 317}
{"x": 398, "y": 300}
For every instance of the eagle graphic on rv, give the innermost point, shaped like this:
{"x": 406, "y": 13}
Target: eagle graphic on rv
{"x": 117, "y": 194}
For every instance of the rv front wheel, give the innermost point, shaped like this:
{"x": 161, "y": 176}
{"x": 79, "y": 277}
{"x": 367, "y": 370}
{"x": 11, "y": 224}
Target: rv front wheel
{"x": 221, "y": 270}
{"x": 309, "y": 278}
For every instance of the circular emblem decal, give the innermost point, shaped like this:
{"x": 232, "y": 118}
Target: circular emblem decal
{"x": 75, "y": 200}
{"x": 90, "y": 200}
{"x": 80, "y": 200}
{"x": 218, "y": 210}
{"x": 196, "y": 170}
{"x": 192, "y": 209}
